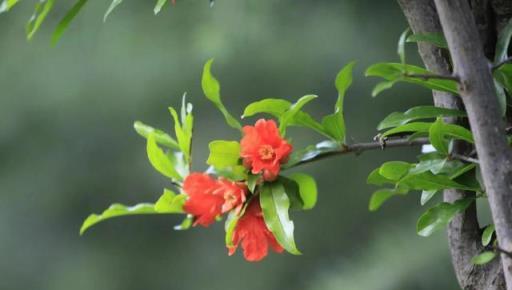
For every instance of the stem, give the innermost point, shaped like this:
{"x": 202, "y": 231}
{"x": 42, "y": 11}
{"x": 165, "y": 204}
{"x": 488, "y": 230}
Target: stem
{"x": 358, "y": 148}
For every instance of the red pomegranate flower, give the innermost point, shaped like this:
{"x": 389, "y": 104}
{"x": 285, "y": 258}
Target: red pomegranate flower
{"x": 233, "y": 194}
{"x": 202, "y": 203}
{"x": 254, "y": 235}
{"x": 209, "y": 198}
{"x": 263, "y": 150}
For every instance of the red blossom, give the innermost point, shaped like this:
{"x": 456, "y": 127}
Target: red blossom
{"x": 263, "y": 149}
{"x": 209, "y": 198}
{"x": 254, "y": 235}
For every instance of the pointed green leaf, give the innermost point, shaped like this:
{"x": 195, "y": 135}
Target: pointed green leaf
{"x": 394, "y": 170}
{"x": 275, "y": 205}
{"x": 310, "y": 152}
{"x": 170, "y": 202}
{"x": 41, "y": 10}
{"x": 160, "y": 161}
{"x": 397, "y": 72}
{"x": 64, "y": 23}
{"x": 290, "y": 114}
{"x": 382, "y": 86}
{"x": 436, "y": 137}
{"x": 421, "y": 112}
{"x": 415, "y": 127}
{"x": 487, "y": 235}
{"x": 211, "y": 89}
{"x": 429, "y": 181}
{"x": 111, "y": 8}
{"x": 379, "y": 197}
{"x": 6, "y": 5}
{"x": 376, "y": 178}
{"x": 438, "y": 217}
{"x": 401, "y": 45}
{"x": 161, "y": 137}
{"x": 274, "y": 107}
{"x": 159, "y": 5}
{"x": 427, "y": 195}
{"x": 503, "y": 43}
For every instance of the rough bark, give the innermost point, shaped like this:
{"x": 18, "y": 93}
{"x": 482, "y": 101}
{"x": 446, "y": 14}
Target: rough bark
{"x": 463, "y": 231}
{"x": 478, "y": 94}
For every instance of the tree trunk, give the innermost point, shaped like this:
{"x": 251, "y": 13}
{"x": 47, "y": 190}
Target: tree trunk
{"x": 479, "y": 96}
{"x": 464, "y": 231}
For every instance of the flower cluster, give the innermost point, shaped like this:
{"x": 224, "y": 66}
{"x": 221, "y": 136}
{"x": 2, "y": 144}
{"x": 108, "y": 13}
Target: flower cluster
{"x": 262, "y": 152}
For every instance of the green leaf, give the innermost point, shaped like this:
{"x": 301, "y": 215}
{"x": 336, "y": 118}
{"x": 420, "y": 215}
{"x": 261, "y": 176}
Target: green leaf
{"x": 504, "y": 76}
{"x": 183, "y": 131}
{"x": 307, "y": 189}
{"x": 401, "y": 45}
{"x": 427, "y": 195}
{"x": 234, "y": 173}
{"x": 438, "y": 217}
{"x": 170, "y": 202}
{"x": 434, "y": 38}
{"x": 161, "y": 137}
{"x": 382, "y": 86}
{"x": 394, "y": 170}
{"x": 429, "y": 181}
{"x": 290, "y": 114}
{"x": 275, "y": 204}
{"x": 230, "y": 225}
{"x": 159, "y": 5}
{"x": 41, "y": 10}
{"x": 379, "y": 197}
{"x": 436, "y": 137}
{"x": 461, "y": 170}
{"x": 414, "y": 127}
{"x": 252, "y": 181}
{"x": 117, "y": 210}
{"x": 211, "y": 89}
{"x": 310, "y": 152}
{"x": 223, "y": 153}
{"x": 487, "y": 235}
{"x": 6, "y": 5}
{"x": 376, "y": 178}
{"x": 503, "y": 43}
{"x": 160, "y": 160}
{"x": 334, "y": 124}
{"x": 64, "y": 23}
{"x": 502, "y": 97}
{"x": 397, "y": 72}
{"x": 111, "y": 8}
{"x": 274, "y": 107}
{"x": 185, "y": 224}
{"x": 483, "y": 258}
{"x": 421, "y": 112}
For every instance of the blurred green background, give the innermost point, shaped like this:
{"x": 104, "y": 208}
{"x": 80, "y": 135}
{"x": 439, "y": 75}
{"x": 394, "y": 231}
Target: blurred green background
{"x": 67, "y": 147}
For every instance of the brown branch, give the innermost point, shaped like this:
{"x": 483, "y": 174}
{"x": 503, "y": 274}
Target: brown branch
{"x": 359, "y": 148}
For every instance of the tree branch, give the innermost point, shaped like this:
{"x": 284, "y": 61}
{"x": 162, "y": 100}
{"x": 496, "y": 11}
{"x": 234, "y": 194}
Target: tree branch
{"x": 433, "y": 76}
{"x": 479, "y": 96}
{"x": 359, "y": 148}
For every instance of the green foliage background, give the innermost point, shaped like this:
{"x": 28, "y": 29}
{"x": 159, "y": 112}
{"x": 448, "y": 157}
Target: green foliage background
{"x": 67, "y": 147}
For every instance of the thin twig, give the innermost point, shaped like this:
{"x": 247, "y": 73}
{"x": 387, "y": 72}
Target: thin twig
{"x": 501, "y": 63}
{"x": 358, "y": 148}
{"x": 465, "y": 158}
{"x": 500, "y": 250}
{"x": 432, "y": 76}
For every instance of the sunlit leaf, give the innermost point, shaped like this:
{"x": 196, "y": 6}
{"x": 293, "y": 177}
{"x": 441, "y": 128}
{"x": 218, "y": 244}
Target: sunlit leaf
{"x": 483, "y": 258}
{"x": 160, "y": 161}
{"x": 275, "y": 205}
{"x": 427, "y": 195}
{"x": 434, "y": 38}
{"x": 159, "y": 5}
{"x": 376, "y": 178}
{"x": 401, "y": 45}
{"x": 41, "y": 10}
{"x": 310, "y": 152}
{"x": 111, "y": 8}
{"x": 438, "y": 217}
{"x": 6, "y": 5}
{"x": 290, "y": 114}
{"x": 211, "y": 89}
{"x": 382, "y": 86}
{"x": 223, "y": 153}
{"x": 170, "y": 202}
{"x": 429, "y": 181}
{"x": 64, "y": 23}
{"x": 161, "y": 137}
{"x": 436, "y": 137}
